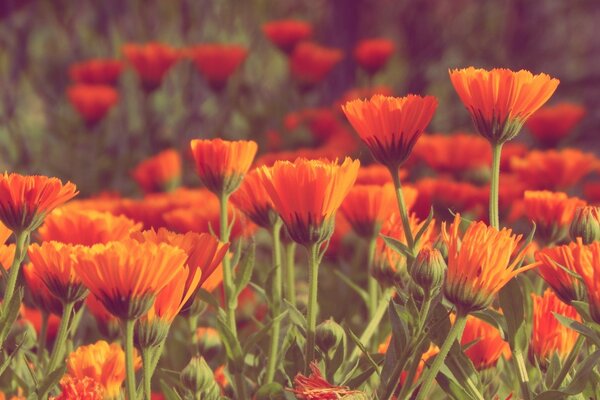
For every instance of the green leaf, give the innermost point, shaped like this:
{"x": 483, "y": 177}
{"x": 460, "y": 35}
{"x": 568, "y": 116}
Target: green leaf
{"x": 168, "y": 391}
{"x": 512, "y": 302}
{"x": 362, "y": 348}
{"x": 230, "y": 342}
{"x": 423, "y": 229}
{"x": 296, "y": 317}
{"x": 578, "y": 327}
{"x": 208, "y": 298}
{"x": 400, "y": 335}
{"x": 51, "y": 380}
{"x": 357, "y": 289}
{"x": 453, "y": 389}
{"x": 360, "y": 378}
{"x": 493, "y": 318}
{"x": 245, "y": 267}
{"x": 10, "y": 314}
{"x": 582, "y": 376}
{"x": 261, "y": 334}
{"x": 396, "y": 245}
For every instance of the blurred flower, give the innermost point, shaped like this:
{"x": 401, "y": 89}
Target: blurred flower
{"x": 376, "y": 174}
{"x": 510, "y": 150}
{"x": 373, "y": 54}
{"x": 591, "y": 192}
{"x": 7, "y": 256}
{"x": 85, "y": 388}
{"x": 222, "y": 164}
{"x": 551, "y": 124}
{"x": 307, "y": 194}
{"x": 96, "y": 72}
{"x": 253, "y": 200}
{"x": 485, "y": 343}
{"x": 105, "y": 321}
{"x": 553, "y": 262}
{"x": 390, "y": 126}
{"x": 315, "y": 387}
{"x": 220, "y": 377}
{"x": 310, "y": 63}
{"x": 548, "y": 335}
{"x": 479, "y": 263}
{"x": 41, "y": 296}
{"x": 151, "y": 61}
{"x": 287, "y": 33}
{"x": 33, "y": 316}
{"x": 361, "y": 93}
{"x": 217, "y": 62}
{"x": 92, "y": 102}
{"x": 445, "y": 194}
{"x": 159, "y": 173}
{"x": 321, "y": 122}
{"x": 341, "y": 229}
{"x": 501, "y": 100}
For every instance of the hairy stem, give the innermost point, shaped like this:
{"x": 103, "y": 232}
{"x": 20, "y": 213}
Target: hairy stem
{"x": 494, "y": 184}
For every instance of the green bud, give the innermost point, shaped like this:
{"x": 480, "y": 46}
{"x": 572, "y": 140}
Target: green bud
{"x": 586, "y": 224}
{"x": 197, "y": 376}
{"x": 429, "y": 269}
{"x": 329, "y": 335}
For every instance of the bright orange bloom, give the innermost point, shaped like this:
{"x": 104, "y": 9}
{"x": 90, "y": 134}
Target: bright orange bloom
{"x": 222, "y": 164}
{"x": 7, "y": 256}
{"x": 26, "y": 200}
{"x": 217, "y": 62}
{"x": 316, "y": 387}
{"x": 565, "y": 285}
{"x": 554, "y": 170}
{"x": 310, "y": 63}
{"x": 253, "y": 200}
{"x": 551, "y": 124}
{"x": 587, "y": 263}
{"x": 287, "y": 33}
{"x": 552, "y": 212}
{"x": 307, "y": 193}
{"x": 159, "y": 173}
{"x": 102, "y": 362}
{"x": 361, "y": 93}
{"x": 485, "y": 343}
{"x": 85, "y": 388}
{"x": 479, "y": 263}
{"x": 41, "y": 296}
{"x": 96, "y": 72}
{"x": 373, "y": 54}
{"x": 92, "y": 102}
{"x": 86, "y": 227}
{"x": 549, "y": 336}
{"x": 390, "y": 126}
{"x": 501, "y": 100}
{"x": 458, "y": 153}
{"x": 151, "y": 61}
{"x": 126, "y": 276}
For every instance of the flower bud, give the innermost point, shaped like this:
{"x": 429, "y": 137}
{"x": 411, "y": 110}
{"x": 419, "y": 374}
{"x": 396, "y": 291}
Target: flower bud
{"x": 329, "y": 335}
{"x": 586, "y": 224}
{"x": 197, "y": 376}
{"x": 208, "y": 342}
{"x": 441, "y": 245}
{"x": 429, "y": 269}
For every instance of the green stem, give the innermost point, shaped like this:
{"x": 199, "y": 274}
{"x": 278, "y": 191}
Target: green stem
{"x": 311, "y": 313}
{"x": 21, "y": 244}
{"x": 403, "y": 210}
{"x": 61, "y": 338}
{"x": 290, "y": 272}
{"x": 519, "y": 363}
{"x": 42, "y": 337}
{"x": 570, "y": 360}
{"x": 240, "y": 386}
{"x": 494, "y": 184}
{"x": 373, "y": 286}
{"x": 129, "y": 368}
{"x": 148, "y": 370}
{"x": 276, "y": 289}
{"x": 230, "y": 300}
{"x": 455, "y": 333}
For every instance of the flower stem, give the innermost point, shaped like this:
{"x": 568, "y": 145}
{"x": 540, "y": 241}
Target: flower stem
{"x": 519, "y": 363}
{"x": 129, "y": 369}
{"x": 42, "y": 337}
{"x": 230, "y": 300}
{"x": 21, "y": 245}
{"x": 494, "y": 184}
{"x": 373, "y": 287}
{"x": 61, "y": 338}
{"x": 276, "y": 284}
{"x": 403, "y": 210}
{"x": 311, "y": 313}
{"x": 568, "y": 363}
{"x": 148, "y": 370}
{"x": 290, "y": 272}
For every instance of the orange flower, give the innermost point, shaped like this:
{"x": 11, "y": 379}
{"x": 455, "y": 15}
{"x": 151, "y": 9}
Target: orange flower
{"x": 307, "y": 193}
{"x": 316, "y": 387}
{"x": 376, "y": 174}
{"x": 548, "y": 336}
{"x": 287, "y": 33}
{"x": 7, "y": 256}
{"x": 151, "y": 61}
{"x": 222, "y": 164}
{"x": 54, "y": 264}
{"x": 92, "y": 102}
{"x": 390, "y": 126}
{"x": 373, "y": 54}
{"x": 553, "y": 262}
{"x": 86, "y": 227}
{"x": 361, "y": 93}
{"x": 340, "y": 231}
{"x": 549, "y": 125}
{"x": 33, "y": 316}
{"x": 310, "y": 63}
{"x": 159, "y": 173}
{"x": 445, "y": 194}
{"x": 217, "y": 62}
{"x": 96, "y": 72}
{"x": 501, "y": 100}
{"x": 554, "y": 170}
{"x": 254, "y": 201}
{"x": 485, "y": 343}
{"x": 85, "y": 388}
{"x": 587, "y": 263}
{"x": 126, "y": 276}
{"x": 479, "y": 263}
{"x": 552, "y": 212}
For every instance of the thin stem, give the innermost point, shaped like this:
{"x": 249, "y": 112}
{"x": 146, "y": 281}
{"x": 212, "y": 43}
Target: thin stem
{"x": 129, "y": 369}
{"x": 21, "y": 244}
{"x": 373, "y": 286}
{"x": 519, "y": 363}
{"x": 569, "y": 361}
{"x": 230, "y": 300}
{"x": 42, "y": 337}
{"x": 276, "y": 290}
{"x": 61, "y": 338}
{"x": 146, "y": 367}
{"x": 494, "y": 184}
{"x": 311, "y": 313}
{"x": 290, "y": 272}
{"x": 403, "y": 210}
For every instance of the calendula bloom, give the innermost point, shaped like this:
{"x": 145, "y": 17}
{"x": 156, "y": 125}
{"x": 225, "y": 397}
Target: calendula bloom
{"x": 126, "y": 276}
{"x": 310, "y": 63}
{"x": 85, "y": 388}
{"x": 549, "y": 336}
{"x": 159, "y": 173}
{"x": 151, "y": 61}
{"x": 222, "y": 164}
{"x": 501, "y": 100}
{"x": 316, "y": 387}
{"x": 307, "y": 193}
{"x": 390, "y": 126}
{"x": 479, "y": 263}
{"x": 551, "y": 211}
{"x": 551, "y": 124}
{"x": 86, "y": 227}
{"x": 96, "y": 72}
{"x": 253, "y": 200}
{"x": 373, "y": 54}
{"x": 361, "y": 93}
{"x": 217, "y": 62}
{"x": 92, "y": 102}
{"x": 587, "y": 263}
{"x": 102, "y": 362}
{"x": 26, "y": 200}
{"x": 486, "y": 345}
{"x": 54, "y": 264}
{"x": 553, "y": 262}
{"x": 41, "y": 296}
{"x": 287, "y": 33}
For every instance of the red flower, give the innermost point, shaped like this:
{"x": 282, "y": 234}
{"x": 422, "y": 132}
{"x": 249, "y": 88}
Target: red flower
{"x": 96, "y": 72}
{"x": 217, "y": 62}
{"x": 158, "y": 173}
{"x": 151, "y": 61}
{"x": 373, "y": 54}
{"x": 92, "y": 102}
{"x": 550, "y": 125}
{"x": 315, "y": 387}
{"x": 287, "y": 33}
{"x": 310, "y": 63}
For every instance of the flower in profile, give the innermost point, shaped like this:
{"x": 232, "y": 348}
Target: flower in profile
{"x": 390, "y": 126}
{"x": 373, "y": 54}
{"x": 287, "y": 33}
{"x": 310, "y": 63}
{"x": 126, "y": 276}
{"x": 486, "y": 345}
{"x": 86, "y": 227}
{"x": 151, "y": 61}
{"x": 40, "y": 295}
{"x": 307, "y": 193}
{"x": 26, "y": 200}
{"x": 96, "y": 72}
{"x": 500, "y": 100}
{"x": 586, "y": 224}
{"x": 553, "y": 263}
{"x": 361, "y": 93}
{"x": 217, "y": 62}
{"x": 316, "y": 387}
{"x": 159, "y": 173}
{"x": 222, "y": 164}
{"x": 479, "y": 263}
{"x": 253, "y": 200}
{"x": 549, "y": 336}
{"x": 551, "y": 124}
{"x": 85, "y": 388}
{"x": 92, "y": 102}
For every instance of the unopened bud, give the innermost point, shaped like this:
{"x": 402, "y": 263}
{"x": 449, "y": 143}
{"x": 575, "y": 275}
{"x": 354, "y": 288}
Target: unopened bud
{"x": 429, "y": 269}
{"x": 586, "y": 224}
{"x": 197, "y": 376}
{"x": 329, "y": 335}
